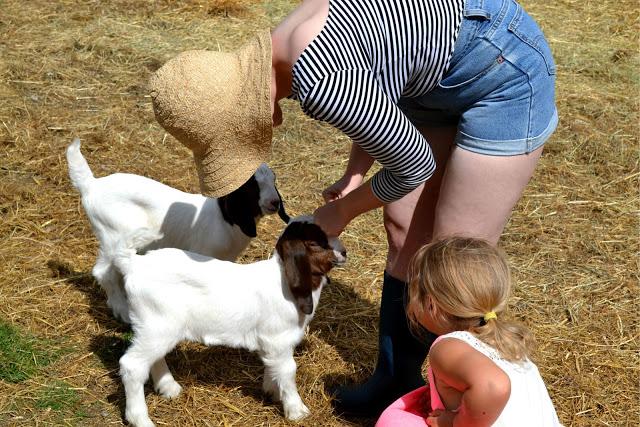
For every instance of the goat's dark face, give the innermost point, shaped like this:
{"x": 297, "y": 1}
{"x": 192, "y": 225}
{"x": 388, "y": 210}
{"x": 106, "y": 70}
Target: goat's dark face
{"x": 307, "y": 256}
{"x": 269, "y": 199}
{"x": 254, "y": 199}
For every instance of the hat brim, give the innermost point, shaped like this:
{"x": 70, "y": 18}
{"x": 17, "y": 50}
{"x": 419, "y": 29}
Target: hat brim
{"x": 218, "y": 104}
{"x": 220, "y": 175}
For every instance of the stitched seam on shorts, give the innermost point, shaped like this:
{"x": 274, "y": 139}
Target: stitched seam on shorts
{"x": 553, "y": 123}
{"x": 503, "y": 11}
{"x": 529, "y": 130}
{"x": 474, "y": 78}
{"x": 467, "y": 44}
{"x": 520, "y": 140}
{"x": 542, "y": 134}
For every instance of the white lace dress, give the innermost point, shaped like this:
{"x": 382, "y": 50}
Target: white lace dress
{"x": 529, "y": 404}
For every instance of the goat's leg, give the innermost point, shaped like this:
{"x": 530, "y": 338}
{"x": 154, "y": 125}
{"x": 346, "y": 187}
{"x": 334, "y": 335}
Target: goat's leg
{"x": 163, "y": 381}
{"x": 110, "y": 279}
{"x": 280, "y": 369}
{"x": 134, "y": 370}
{"x": 269, "y": 385}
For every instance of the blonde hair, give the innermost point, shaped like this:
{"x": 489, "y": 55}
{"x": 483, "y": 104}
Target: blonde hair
{"x": 461, "y": 280}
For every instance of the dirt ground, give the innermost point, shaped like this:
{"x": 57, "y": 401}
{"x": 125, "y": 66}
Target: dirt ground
{"x": 80, "y": 68}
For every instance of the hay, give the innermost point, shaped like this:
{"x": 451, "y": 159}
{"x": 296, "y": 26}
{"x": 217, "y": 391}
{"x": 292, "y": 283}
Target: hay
{"x": 72, "y": 68}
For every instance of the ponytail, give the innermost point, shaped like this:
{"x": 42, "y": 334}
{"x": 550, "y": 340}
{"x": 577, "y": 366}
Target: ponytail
{"x": 513, "y": 341}
{"x": 464, "y": 283}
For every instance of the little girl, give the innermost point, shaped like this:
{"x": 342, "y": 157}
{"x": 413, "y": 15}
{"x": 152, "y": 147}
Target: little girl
{"x": 479, "y": 371}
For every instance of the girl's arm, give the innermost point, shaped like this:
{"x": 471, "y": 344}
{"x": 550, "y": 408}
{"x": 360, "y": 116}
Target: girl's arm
{"x": 485, "y": 388}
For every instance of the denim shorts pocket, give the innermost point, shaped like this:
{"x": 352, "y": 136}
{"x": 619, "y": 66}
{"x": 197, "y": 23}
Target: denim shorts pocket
{"x": 525, "y": 28}
{"x": 485, "y": 57}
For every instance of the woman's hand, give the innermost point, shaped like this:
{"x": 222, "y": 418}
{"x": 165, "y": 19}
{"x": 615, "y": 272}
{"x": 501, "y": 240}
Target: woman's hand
{"x": 331, "y": 218}
{"x": 341, "y": 187}
{"x": 359, "y": 163}
{"x": 334, "y": 216}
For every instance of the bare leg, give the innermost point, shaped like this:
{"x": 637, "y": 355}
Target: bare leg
{"x": 409, "y": 221}
{"x": 479, "y": 192}
{"x": 471, "y": 195}
{"x": 409, "y": 224}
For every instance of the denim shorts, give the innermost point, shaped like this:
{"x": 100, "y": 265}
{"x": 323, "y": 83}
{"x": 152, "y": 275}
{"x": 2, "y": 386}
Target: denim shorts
{"x": 499, "y": 88}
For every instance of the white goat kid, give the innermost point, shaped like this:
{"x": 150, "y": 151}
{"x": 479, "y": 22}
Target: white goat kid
{"x": 265, "y": 306}
{"x": 120, "y": 203}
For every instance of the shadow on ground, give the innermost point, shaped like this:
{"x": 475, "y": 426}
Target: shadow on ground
{"x": 339, "y": 310}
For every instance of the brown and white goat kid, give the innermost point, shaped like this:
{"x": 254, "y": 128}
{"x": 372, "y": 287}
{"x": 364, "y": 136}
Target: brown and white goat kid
{"x": 120, "y": 203}
{"x": 176, "y": 295}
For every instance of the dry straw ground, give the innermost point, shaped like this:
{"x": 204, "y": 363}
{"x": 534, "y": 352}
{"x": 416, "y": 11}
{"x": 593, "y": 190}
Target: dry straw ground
{"x": 79, "y": 68}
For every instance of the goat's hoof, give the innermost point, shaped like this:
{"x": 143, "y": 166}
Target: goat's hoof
{"x": 271, "y": 391}
{"x": 297, "y": 412}
{"x": 274, "y": 396}
{"x": 140, "y": 421}
{"x": 169, "y": 390}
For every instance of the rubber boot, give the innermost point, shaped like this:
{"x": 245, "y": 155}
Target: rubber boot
{"x": 400, "y": 358}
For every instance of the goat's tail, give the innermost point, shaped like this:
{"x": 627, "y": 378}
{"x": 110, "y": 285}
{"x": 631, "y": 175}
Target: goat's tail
{"x": 79, "y": 170}
{"x": 128, "y": 245}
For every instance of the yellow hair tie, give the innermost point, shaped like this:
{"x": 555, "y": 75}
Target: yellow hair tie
{"x": 490, "y": 315}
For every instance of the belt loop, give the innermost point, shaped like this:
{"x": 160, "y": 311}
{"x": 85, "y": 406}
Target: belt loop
{"x": 476, "y": 9}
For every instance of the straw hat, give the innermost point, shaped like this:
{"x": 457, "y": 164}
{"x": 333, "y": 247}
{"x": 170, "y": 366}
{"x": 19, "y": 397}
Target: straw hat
{"x": 218, "y": 104}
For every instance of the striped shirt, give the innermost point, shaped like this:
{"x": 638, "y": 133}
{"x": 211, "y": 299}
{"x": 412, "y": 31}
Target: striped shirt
{"x": 369, "y": 54}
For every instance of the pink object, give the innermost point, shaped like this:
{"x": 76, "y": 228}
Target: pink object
{"x": 529, "y": 402}
{"x": 408, "y": 411}
{"x": 436, "y": 402}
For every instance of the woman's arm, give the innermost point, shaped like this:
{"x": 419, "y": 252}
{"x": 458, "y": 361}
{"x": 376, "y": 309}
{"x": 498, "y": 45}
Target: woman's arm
{"x": 334, "y": 216}
{"x": 353, "y": 102}
{"x": 484, "y": 386}
{"x": 359, "y": 164}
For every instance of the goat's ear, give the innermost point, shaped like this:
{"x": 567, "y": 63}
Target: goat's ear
{"x": 248, "y": 225}
{"x": 305, "y": 304}
{"x": 235, "y": 211}
{"x": 297, "y": 272}
{"x": 281, "y": 212}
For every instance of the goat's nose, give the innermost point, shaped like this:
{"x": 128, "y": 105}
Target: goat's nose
{"x": 343, "y": 253}
{"x": 274, "y": 205}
